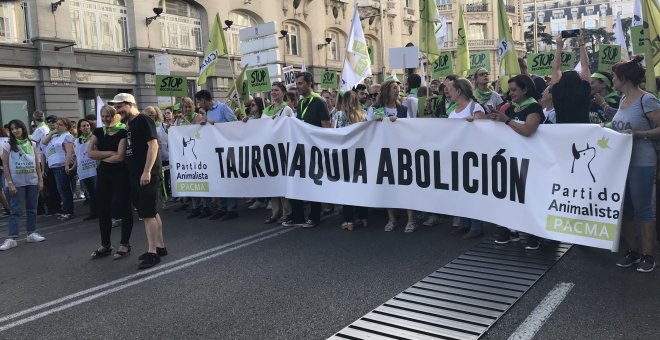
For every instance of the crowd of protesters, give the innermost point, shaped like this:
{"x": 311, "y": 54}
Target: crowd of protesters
{"x": 132, "y": 148}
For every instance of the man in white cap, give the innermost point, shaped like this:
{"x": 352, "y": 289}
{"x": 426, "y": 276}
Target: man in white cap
{"x": 144, "y": 168}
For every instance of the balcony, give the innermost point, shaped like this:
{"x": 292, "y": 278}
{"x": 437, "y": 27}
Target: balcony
{"x": 477, "y": 7}
{"x": 444, "y": 7}
{"x": 448, "y": 44}
{"x": 488, "y": 43}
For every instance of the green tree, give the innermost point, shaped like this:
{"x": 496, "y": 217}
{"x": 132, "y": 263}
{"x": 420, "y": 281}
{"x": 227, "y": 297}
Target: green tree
{"x": 541, "y": 36}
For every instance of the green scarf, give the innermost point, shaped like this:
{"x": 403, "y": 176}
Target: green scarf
{"x": 84, "y": 138}
{"x": 158, "y": 122}
{"x": 451, "y": 108}
{"x": 611, "y": 98}
{"x": 517, "y": 107}
{"x": 379, "y": 112}
{"x": 26, "y": 145}
{"x": 271, "y": 110}
{"x": 117, "y": 127}
{"x": 483, "y": 96}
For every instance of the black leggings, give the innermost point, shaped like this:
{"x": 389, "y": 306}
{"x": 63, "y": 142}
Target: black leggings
{"x": 113, "y": 188}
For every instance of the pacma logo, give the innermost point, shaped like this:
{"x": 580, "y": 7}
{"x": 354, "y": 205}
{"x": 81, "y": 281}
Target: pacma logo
{"x": 190, "y": 144}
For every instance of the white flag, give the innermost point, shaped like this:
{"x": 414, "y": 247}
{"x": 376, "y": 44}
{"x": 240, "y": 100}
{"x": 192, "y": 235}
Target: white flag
{"x": 302, "y": 67}
{"x": 422, "y": 71}
{"x": 637, "y": 13}
{"x": 620, "y": 38}
{"x": 99, "y": 105}
{"x": 440, "y": 30}
{"x": 357, "y": 64}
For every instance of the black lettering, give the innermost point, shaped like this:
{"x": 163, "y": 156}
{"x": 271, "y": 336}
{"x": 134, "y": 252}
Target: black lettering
{"x": 256, "y": 160}
{"x": 484, "y": 174}
{"x": 360, "y": 166}
{"x": 437, "y": 174}
{"x": 244, "y": 161}
{"x": 284, "y": 157}
{"x": 518, "y": 179}
{"x": 270, "y": 160}
{"x": 345, "y": 165}
{"x": 316, "y": 165}
{"x": 470, "y": 159}
{"x": 231, "y": 163}
{"x": 499, "y": 175}
{"x": 422, "y": 168}
{"x": 385, "y": 167}
{"x": 405, "y": 167}
{"x": 219, "y": 151}
{"x": 298, "y": 162}
{"x": 331, "y": 164}
{"x": 454, "y": 171}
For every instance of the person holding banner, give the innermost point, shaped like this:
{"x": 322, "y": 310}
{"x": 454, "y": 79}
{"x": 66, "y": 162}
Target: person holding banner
{"x": 638, "y": 115}
{"x": 86, "y": 167}
{"x": 277, "y": 108}
{"x": 351, "y": 113}
{"x": 524, "y": 117}
{"x": 107, "y": 145}
{"x": 387, "y": 104}
{"x": 312, "y": 110}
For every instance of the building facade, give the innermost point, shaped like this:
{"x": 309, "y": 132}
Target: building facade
{"x": 559, "y": 15}
{"x": 58, "y": 56}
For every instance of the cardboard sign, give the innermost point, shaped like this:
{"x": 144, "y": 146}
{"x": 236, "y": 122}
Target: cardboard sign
{"x": 289, "y": 76}
{"x": 259, "y": 80}
{"x": 479, "y": 60}
{"x": 329, "y": 80}
{"x": 637, "y": 39}
{"x": 568, "y": 61}
{"x": 442, "y": 66}
{"x": 171, "y": 86}
{"x": 608, "y": 55}
{"x": 404, "y": 57}
{"x": 540, "y": 64}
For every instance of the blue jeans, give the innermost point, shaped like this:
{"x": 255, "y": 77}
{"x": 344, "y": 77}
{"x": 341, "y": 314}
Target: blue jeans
{"x": 474, "y": 225}
{"x": 26, "y": 198}
{"x": 63, "y": 182}
{"x": 228, "y": 204}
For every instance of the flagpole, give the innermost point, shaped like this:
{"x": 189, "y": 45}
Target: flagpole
{"x": 233, "y": 73}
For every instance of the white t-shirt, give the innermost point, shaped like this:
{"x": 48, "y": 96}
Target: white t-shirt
{"x": 467, "y": 112}
{"x": 38, "y": 135}
{"x": 389, "y": 111}
{"x": 55, "y": 151}
{"x": 86, "y": 165}
{"x": 550, "y": 115}
{"x": 411, "y": 102}
{"x": 21, "y": 165}
{"x": 494, "y": 100}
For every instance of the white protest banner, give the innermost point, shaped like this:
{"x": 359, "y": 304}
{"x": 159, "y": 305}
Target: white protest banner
{"x": 566, "y": 182}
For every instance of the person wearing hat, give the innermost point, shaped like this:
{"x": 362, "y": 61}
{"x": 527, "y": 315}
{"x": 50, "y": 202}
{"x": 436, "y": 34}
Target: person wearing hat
{"x": 144, "y": 168}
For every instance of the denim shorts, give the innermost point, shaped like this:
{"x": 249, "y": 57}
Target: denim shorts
{"x": 639, "y": 202}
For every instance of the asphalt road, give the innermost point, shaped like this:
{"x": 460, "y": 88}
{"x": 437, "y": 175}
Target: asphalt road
{"x": 246, "y": 280}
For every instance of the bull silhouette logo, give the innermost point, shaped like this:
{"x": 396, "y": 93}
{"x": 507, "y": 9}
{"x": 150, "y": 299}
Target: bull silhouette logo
{"x": 581, "y": 157}
{"x": 189, "y": 144}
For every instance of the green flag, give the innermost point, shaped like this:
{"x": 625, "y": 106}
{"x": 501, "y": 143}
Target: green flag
{"x": 427, "y": 41}
{"x": 216, "y": 48}
{"x": 506, "y": 53}
{"x": 462, "y": 50}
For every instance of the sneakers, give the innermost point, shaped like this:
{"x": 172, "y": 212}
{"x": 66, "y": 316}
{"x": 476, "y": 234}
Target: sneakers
{"x": 194, "y": 213}
{"x": 35, "y": 237}
{"x": 257, "y": 205}
{"x": 410, "y": 227}
{"x": 8, "y": 244}
{"x": 159, "y": 251}
{"x": 389, "y": 226}
{"x": 646, "y": 264}
{"x": 533, "y": 243}
{"x": 431, "y": 221}
{"x": 65, "y": 217}
{"x": 150, "y": 260}
{"x": 291, "y": 223}
{"x": 632, "y": 257}
{"x": 506, "y": 237}
{"x": 310, "y": 224}
{"x": 116, "y": 222}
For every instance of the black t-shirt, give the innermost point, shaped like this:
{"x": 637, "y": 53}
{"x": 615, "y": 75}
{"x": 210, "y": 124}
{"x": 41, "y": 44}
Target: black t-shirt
{"x": 109, "y": 143}
{"x": 521, "y": 116}
{"x": 571, "y": 103}
{"x": 141, "y": 130}
{"x": 313, "y": 110}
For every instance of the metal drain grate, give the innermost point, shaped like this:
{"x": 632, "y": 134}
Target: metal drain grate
{"x": 462, "y": 299}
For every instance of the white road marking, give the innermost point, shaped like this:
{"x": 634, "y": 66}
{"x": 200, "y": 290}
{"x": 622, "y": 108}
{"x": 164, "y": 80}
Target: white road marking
{"x": 140, "y": 276}
{"x": 528, "y": 329}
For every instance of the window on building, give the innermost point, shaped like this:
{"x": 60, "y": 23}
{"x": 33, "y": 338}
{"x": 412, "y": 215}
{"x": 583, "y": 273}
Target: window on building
{"x": 14, "y": 23}
{"x": 603, "y": 23}
{"x": 618, "y": 10}
{"x": 292, "y": 39}
{"x": 591, "y": 23}
{"x": 443, "y": 2}
{"x": 409, "y": 3}
{"x": 100, "y": 24}
{"x": 241, "y": 20}
{"x": 477, "y": 31}
{"x": 180, "y": 25}
{"x": 333, "y": 47}
{"x": 450, "y": 32}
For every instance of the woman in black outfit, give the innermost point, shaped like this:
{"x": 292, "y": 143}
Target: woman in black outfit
{"x": 108, "y": 145}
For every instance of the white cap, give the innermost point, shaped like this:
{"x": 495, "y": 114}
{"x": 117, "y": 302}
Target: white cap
{"x": 123, "y": 98}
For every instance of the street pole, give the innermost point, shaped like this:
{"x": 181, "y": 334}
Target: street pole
{"x": 536, "y": 20}
{"x": 382, "y": 41}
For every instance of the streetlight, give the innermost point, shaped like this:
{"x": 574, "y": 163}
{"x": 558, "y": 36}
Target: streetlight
{"x": 284, "y": 33}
